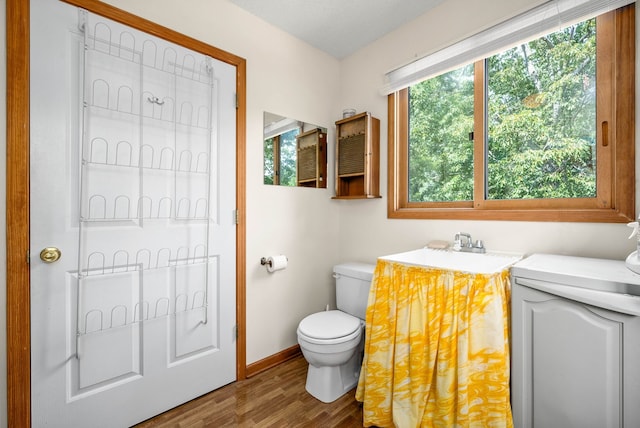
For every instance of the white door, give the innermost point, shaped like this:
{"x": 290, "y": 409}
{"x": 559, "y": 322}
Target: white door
{"x": 133, "y": 182}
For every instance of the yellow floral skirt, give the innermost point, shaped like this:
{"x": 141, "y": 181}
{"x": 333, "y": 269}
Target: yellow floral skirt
{"x": 436, "y": 349}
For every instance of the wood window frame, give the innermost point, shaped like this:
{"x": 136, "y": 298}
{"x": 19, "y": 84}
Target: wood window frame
{"x": 615, "y": 199}
{"x": 276, "y": 159}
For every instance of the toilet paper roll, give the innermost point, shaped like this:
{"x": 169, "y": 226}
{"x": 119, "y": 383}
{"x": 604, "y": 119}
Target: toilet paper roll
{"x": 275, "y": 263}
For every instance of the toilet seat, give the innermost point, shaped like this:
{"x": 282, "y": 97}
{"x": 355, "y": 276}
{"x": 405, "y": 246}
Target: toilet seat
{"x": 329, "y": 327}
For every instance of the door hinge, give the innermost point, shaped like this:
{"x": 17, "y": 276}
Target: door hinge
{"x": 28, "y": 257}
{"x": 236, "y": 217}
{"x": 235, "y": 331}
{"x": 237, "y": 103}
{"x": 82, "y": 20}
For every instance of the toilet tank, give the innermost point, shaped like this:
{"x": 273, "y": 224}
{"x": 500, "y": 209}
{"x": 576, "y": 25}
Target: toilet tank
{"x": 353, "y": 281}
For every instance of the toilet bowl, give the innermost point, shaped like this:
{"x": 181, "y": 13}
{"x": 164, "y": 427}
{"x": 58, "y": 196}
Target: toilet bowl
{"x": 332, "y": 342}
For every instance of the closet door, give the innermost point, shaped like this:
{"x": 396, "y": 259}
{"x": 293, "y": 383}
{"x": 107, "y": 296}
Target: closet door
{"x": 132, "y": 202}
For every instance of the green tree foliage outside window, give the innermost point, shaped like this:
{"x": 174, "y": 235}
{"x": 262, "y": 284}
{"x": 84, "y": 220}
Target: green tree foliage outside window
{"x": 440, "y": 150}
{"x": 540, "y": 116}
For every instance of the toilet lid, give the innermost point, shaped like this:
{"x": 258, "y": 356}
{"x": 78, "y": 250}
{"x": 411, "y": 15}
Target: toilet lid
{"x": 329, "y": 325}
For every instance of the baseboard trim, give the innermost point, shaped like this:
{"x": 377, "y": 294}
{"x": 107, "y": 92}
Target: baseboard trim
{"x": 273, "y": 360}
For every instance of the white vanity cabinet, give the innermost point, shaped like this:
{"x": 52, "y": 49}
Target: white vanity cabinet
{"x": 575, "y": 343}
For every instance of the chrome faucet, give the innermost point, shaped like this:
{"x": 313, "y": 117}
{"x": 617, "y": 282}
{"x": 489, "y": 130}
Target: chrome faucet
{"x": 459, "y": 244}
{"x": 467, "y": 245}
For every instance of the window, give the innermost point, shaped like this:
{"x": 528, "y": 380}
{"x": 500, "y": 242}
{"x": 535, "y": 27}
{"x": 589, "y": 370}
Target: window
{"x": 280, "y": 158}
{"x": 542, "y": 131}
{"x": 440, "y": 144}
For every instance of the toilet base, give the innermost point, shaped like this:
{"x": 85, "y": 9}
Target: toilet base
{"x": 329, "y": 383}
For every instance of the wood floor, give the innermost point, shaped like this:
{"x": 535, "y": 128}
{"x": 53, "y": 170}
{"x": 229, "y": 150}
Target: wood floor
{"x": 273, "y": 398}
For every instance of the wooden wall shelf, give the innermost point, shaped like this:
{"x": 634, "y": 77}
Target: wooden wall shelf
{"x": 358, "y": 157}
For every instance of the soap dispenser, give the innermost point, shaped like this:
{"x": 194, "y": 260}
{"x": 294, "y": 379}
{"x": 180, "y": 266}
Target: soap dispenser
{"x": 633, "y": 260}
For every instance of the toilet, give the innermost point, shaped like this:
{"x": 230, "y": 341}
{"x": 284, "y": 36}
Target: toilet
{"x": 332, "y": 342}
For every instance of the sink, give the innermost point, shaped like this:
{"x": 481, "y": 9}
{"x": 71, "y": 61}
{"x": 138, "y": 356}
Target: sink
{"x": 490, "y": 262}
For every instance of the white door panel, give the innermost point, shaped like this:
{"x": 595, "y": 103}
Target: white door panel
{"x": 131, "y": 140}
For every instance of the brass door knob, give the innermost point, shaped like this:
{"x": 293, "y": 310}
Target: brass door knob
{"x": 50, "y": 254}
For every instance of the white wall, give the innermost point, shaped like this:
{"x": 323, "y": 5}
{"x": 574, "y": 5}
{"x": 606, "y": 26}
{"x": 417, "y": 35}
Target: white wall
{"x": 370, "y": 233}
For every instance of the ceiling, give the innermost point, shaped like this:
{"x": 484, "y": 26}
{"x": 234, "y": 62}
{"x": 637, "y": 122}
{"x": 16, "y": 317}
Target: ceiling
{"x": 338, "y": 27}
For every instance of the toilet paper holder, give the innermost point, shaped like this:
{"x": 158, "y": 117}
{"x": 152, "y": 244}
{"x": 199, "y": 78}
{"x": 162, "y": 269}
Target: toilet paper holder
{"x": 274, "y": 263}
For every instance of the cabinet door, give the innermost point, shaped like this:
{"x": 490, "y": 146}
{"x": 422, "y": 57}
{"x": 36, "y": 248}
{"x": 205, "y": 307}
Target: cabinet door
{"x": 568, "y": 363}
{"x": 357, "y": 157}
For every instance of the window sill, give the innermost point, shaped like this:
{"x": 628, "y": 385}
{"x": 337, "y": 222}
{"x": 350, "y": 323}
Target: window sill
{"x": 552, "y": 215}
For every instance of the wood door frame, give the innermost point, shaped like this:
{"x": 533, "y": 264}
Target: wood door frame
{"x": 17, "y": 191}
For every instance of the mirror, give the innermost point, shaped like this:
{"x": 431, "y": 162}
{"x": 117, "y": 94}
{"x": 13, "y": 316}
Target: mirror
{"x": 295, "y": 152}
